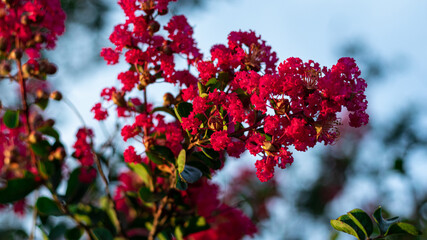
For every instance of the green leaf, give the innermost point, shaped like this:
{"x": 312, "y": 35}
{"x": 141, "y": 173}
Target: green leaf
{"x": 50, "y": 131}
{"x": 102, "y": 234}
{"x": 343, "y": 227}
{"x": 203, "y": 157}
{"x": 58, "y": 231}
{"x": 42, "y": 103}
{"x": 362, "y": 220}
{"x": 402, "y": 228}
{"x": 73, "y": 233}
{"x": 183, "y": 109}
{"x": 382, "y": 223}
{"x": 47, "y": 206}
{"x": 148, "y": 196}
{"x": 345, "y": 224}
{"x": 41, "y": 148}
{"x": 181, "y": 160}
{"x": 163, "y": 109}
{"x": 191, "y": 174}
{"x": 13, "y": 233}
{"x": 52, "y": 171}
{"x": 180, "y": 184}
{"x": 17, "y": 189}
{"x": 11, "y": 119}
{"x": 160, "y": 154}
{"x": 75, "y": 189}
{"x": 346, "y": 219}
{"x": 143, "y": 172}
{"x": 178, "y": 233}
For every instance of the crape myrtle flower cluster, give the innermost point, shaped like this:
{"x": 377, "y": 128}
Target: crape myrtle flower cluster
{"x": 27, "y": 28}
{"x": 240, "y": 100}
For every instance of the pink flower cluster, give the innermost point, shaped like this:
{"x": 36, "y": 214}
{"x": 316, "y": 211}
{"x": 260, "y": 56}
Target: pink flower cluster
{"x": 296, "y": 104}
{"x": 33, "y": 25}
{"x": 83, "y": 152}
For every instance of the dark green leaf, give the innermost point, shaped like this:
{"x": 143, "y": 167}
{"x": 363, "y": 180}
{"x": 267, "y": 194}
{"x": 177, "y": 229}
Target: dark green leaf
{"x": 344, "y": 227}
{"x": 181, "y": 160}
{"x": 346, "y": 219}
{"x": 183, "y": 109}
{"x": 143, "y": 172}
{"x": 211, "y": 163}
{"x": 345, "y": 224}
{"x": 13, "y": 234}
{"x": 41, "y": 148}
{"x": 362, "y": 220}
{"x": 160, "y": 154}
{"x": 58, "y": 231}
{"x": 42, "y": 103}
{"x": 75, "y": 189}
{"x": 11, "y": 119}
{"x": 163, "y": 109}
{"x": 148, "y": 196}
{"x": 47, "y": 206}
{"x": 17, "y": 189}
{"x": 52, "y": 171}
{"x": 48, "y": 130}
{"x": 181, "y": 185}
{"x": 382, "y": 223}
{"x": 402, "y": 228}
{"x": 73, "y": 233}
{"x": 191, "y": 174}
{"x": 102, "y": 234}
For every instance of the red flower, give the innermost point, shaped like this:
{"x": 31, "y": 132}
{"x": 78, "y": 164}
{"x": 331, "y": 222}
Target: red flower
{"x": 100, "y": 113}
{"x": 130, "y": 155}
{"x": 220, "y": 140}
{"x": 109, "y": 55}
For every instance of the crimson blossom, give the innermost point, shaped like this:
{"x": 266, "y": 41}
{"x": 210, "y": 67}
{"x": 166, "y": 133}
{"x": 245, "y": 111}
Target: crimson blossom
{"x": 240, "y": 98}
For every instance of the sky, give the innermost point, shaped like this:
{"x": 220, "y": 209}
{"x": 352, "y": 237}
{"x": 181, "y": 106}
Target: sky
{"x": 394, "y": 31}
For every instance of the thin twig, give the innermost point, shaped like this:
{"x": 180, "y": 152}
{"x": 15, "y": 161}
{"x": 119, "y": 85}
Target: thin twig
{"x": 162, "y": 204}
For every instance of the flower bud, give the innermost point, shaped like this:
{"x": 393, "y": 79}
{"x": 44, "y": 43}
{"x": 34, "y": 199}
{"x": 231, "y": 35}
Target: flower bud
{"x": 140, "y": 87}
{"x": 49, "y": 122}
{"x": 153, "y": 27}
{"x": 28, "y": 69}
{"x": 163, "y": 12}
{"x": 39, "y": 38}
{"x": 168, "y": 99}
{"x": 30, "y": 44}
{"x": 269, "y": 148}
{"x": 8, "y": 2}
{"x": 3, "y": 44}
{"x": 149, "y": 142}
{"x": 56, "y": 95}
{"x": 5, "y": 68}
{"x": 58, "y": 154}
{"x": 51, "y": 69}
{"x": 119, "y": 99}
{"x": 3, "y": 12}
{"x": 146, "y": 78}
{"x": 215, "y": 123}
{"x": 16, "y": 54}
{"x": 34, "y": 137}
{"x": 282, "y": 106}
{"x": 11, "y": 154}
{"x": 41, "y": 94}
{"x": 24, "y": 20}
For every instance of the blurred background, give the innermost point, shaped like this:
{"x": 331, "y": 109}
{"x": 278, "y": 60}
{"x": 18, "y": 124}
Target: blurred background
{"x": 384, "y": 163}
